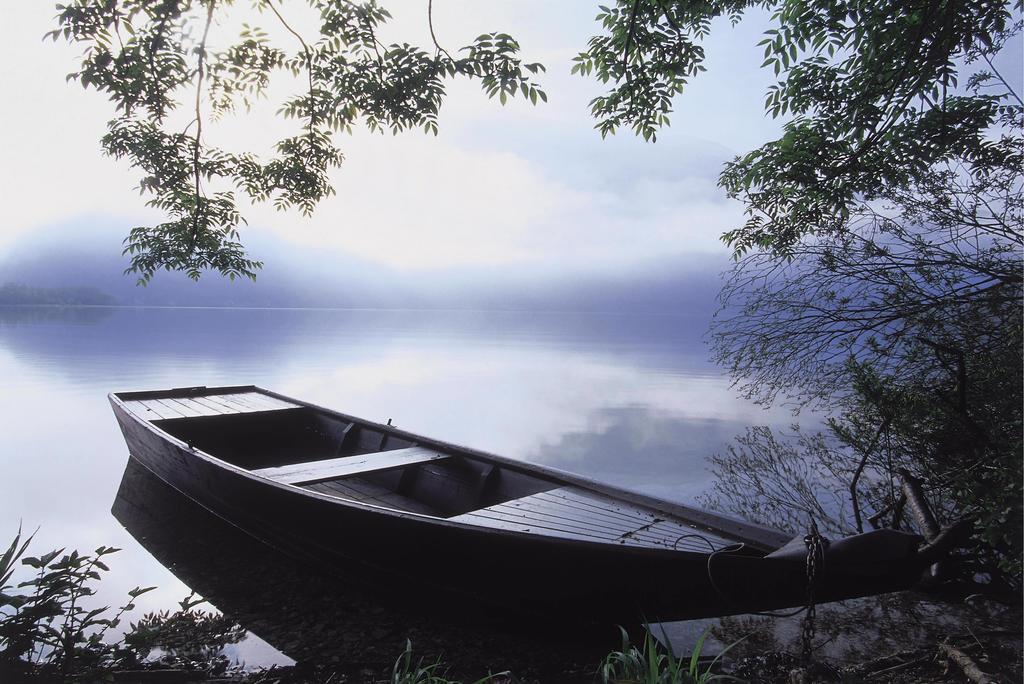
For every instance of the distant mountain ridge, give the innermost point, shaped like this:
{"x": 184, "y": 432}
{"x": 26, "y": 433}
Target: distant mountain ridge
{"x": 84, "y": 259}
{"x": 16, "y": 294}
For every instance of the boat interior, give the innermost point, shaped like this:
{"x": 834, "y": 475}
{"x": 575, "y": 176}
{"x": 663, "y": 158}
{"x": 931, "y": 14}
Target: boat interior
{"x": 317, "y": 450}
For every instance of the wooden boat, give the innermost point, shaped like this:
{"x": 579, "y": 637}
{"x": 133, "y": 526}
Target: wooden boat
{"x": 483, "y": 529}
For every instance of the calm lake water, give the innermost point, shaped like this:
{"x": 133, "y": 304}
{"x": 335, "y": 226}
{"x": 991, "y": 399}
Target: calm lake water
{"x": 630, "y": 399}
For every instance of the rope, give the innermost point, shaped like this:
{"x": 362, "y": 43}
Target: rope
{"x": 721, "y": 594}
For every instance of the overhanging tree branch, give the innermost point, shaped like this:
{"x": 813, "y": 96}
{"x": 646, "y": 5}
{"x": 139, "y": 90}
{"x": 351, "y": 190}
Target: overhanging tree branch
{"x": 200, "y": 73}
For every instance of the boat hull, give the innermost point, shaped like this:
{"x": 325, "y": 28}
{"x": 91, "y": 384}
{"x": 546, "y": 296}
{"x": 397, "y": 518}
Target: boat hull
{"x": 476, "y": 568}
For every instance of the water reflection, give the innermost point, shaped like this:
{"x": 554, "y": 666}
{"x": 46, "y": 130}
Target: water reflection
{"x": 311, "y": 615}
{"x": 630, "y": 445}
{"x": 630, "y": 399}
{"x": 245, "y": 336}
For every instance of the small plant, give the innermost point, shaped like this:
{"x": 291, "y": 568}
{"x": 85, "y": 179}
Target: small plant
{"x": 45, "y": 629}
{"x": 405, "y": 672}
{"x": 42, "y": 620}
{"x": 649, "y": 665}
{"x": 17, "y": 619}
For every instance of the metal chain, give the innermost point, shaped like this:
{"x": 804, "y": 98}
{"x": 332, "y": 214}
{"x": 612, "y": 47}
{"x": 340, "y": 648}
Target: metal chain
{"x": 815, "y": 559}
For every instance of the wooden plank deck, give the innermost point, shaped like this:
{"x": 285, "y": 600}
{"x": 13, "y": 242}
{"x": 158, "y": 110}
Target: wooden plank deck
{"x": 186, "y": 407}
{"x": 329, "y": 469}
{"x": 153, "y": 409}
{"x": 159, "y": 408}
{"x": 574, "y": 513}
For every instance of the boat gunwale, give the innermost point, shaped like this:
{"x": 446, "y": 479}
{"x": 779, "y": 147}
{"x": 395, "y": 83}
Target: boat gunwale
{"x": 754, "y": 536}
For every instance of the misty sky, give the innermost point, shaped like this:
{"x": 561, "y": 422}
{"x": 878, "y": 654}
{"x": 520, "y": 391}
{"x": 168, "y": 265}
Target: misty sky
{"x": 530, "y": 188}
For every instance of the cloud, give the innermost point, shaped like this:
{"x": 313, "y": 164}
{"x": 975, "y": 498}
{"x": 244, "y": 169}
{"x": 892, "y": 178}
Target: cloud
{"x": 543, "y": 201}
{"x": 533, "y": 190}
{"x": 413, "y": 202}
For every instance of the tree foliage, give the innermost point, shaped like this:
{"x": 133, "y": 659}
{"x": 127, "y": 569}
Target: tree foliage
{"x": 908, "y": 318}
{"x": 870, "y": 90}
{"x": 781, "y": 480}
{"x": 154, "y": 57}
{"x": 936, "y": 266}
{"x": 902, "y": 321}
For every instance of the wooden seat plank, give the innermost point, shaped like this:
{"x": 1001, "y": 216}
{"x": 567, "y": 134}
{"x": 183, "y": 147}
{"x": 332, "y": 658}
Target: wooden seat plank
{"x": 574, "y": 496}
{"x": 596, "y": 511}
{"x": 642, "y": 525}
{"x": 262, "y": 402}
{"x": 592, "y": 501}
{"x": 559, "y": 506}
{"x": 151, "y": 410}
{"x": 245, "y": 401}
{"x": 275, "y": 402}
{"x": 167, "y": 410}
{"x": 329, "y": 469}
{"x": 215, "y": 407}
{"x": 226, "y": 406}
{"x": 193, "y": 404}
{"x": 181, "y": 407}
{"x": 198, "y": 405}
{"x": 530, "y": 512}
{"x": 488, "y": 519}
{"x": 230, "y": 401}
{"x": 595, "y": 500}
{"x": 574, "y": 513}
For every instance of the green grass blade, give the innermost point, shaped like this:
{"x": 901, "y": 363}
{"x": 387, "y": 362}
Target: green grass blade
{"x": 11, "y": 556}
{"x": 697, "y": 649}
